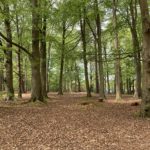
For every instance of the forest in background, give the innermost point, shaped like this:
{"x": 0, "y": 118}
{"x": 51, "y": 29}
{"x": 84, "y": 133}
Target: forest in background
{"x": 75, "y": 46}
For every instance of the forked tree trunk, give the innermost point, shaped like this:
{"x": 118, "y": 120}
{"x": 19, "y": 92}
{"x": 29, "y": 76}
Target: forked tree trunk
{"x": 8, "y": 54}
{"x": 36, "y": 93}
{"x": 146, "y": 58}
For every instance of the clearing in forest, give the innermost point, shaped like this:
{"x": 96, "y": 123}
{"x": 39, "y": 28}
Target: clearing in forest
{"x": 73, "y": 122}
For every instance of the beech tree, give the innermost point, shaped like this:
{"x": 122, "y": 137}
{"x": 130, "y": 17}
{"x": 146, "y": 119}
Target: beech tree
{"x": 83, "y": 36}
{"x": 136, "y": 47}
{"x": 146, "y": 57}
{"x": 74, "y": 46}
{"x": 99, "y": 43}
{"x": 43, "y": 49}
{"x": 117, "y": 53}
{"x": 8, "y": 54}
{"x": 36, "y": 93}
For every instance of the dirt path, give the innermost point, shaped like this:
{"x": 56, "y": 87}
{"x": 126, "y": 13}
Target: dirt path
{"x": 68, "y": 123}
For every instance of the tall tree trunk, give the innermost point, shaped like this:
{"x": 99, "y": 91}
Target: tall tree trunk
{"x": 19, "y": 74}
{"x": 117, "y": 53}
{"x": 83, "y": 36}
{"x": 1, "y": 72}
{"x": 96, "y": 69}
{"x": 1, "y": 79}
{"x": 136, "y": 47}
{"x": 60, "y": 92}
{"x": 35, "y": 61}
{"x": 19, "y": 59}
{"x": 101, "y": 72}
{"x": 146, "y": 57}
{"x": 91, "y": 77}
{"x": 115, "y": 85}
{"x": 79, "y": 84}
{"x": 127, "y": 86}
{"x": 130, "y": 86}
{"x": 25, "y": 75}
{"x": 107, "y": 72}
{"x": 78, "y": 78}
{"x": 8, "y": 54}
{"x": 43, "y": 57}
{"x": 48, "y": 66}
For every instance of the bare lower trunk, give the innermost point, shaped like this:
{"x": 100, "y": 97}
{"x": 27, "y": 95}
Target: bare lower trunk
{"x": 60, "y": 92}
{"x": 8, "y": 55}
{"x": 117, "y": 52}
{"x": 36, "y": 93}
{"x": 91, "y": 77}
{"x": 101, "y": 72}
{"x": 78, "y": 78}
{"x": 96, "y": 69}
{"x": 136, "y": 47}
{"x": 1, "y": 80}
{"x": 19, "y": 74}
{"x": 43, "y": 57}
{"x": 83, "y": 36}
{"x": 146, "y": 58}
{"x": 79, "y": 84}
{"x": 1, "y": 73}
{"x": 25, "y": 75}
{"x": 107, "y": 72}
{"x": 48, "y": 67}
{"x": 19, "y": 59}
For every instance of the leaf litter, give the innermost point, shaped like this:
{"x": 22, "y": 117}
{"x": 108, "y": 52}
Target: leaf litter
{"x": 73, "y": 122}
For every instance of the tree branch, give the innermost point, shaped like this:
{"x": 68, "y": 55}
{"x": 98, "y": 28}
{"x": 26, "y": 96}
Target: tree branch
{"x": 15, "y": 44}
{"x": 88, "y": 23}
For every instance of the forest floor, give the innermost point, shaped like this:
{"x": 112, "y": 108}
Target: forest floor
{"x": 73, "y": 122}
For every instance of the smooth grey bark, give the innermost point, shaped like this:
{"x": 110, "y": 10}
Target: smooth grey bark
{"x": 96, "y": 68}
{"x": 91, "y": 77}
{"x": 8, "y": 55}
{"x": 136, "y": 47}
{"x": 62, "y": 60}
{"x": 43, "y": 54}
{"x": 20, "y": 83}
{"x": 1, "y": 72}
{"x": 78, "y": 78}
{"x": 146, "y": 58}
{"x": 48, "y": 66}
{"x": 36, "y": 92}
{"x": 83, "y": 37}
{"x": 117, "y": 52}
{"x": 1, "y": 79}
{"x": 100, "y": 59}
{"x": 107, "y": 71}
